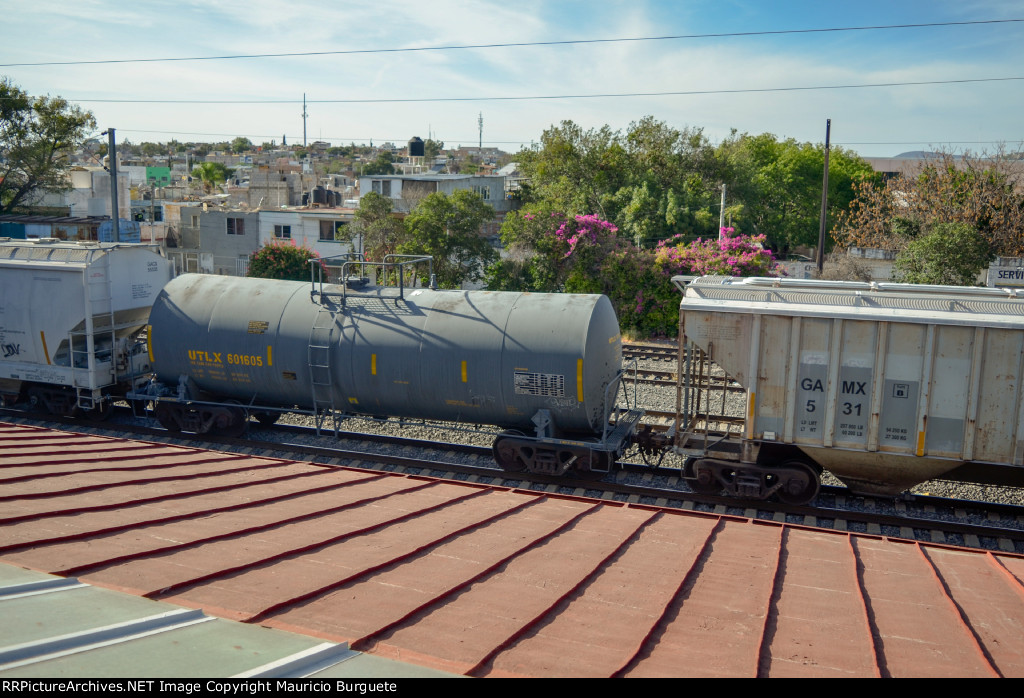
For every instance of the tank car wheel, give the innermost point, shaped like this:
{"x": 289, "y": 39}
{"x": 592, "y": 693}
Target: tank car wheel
{"x": 591, "y": 465}
{"x": 801, "y": 489}
{"x": 700, "y": 480}
{"x": 235, "y": 422}
{"x": 506, "y": 455}
{"x": 165, "y": 415}
{"x": 267, "y": 419}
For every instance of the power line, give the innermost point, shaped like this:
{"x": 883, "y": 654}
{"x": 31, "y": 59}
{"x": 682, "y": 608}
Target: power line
{"x": 607, "y": 95}
{"x": 566, "y": 42}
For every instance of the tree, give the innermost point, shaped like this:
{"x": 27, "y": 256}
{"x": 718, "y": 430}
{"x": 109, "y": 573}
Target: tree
{"x": 381, "y": 231}
{"x": 212, "y": 174}
{"x": 576, "y": 171}
{"x": 976, "y": 191}
{"x": 381, "y": 165}
{"x": 241, "y": 145}
{"x": 779, "y": 184}
{"x": 36, "y": 136}
{"x": 151, "y": 150}
{"x": 283, "y": 259}
{"x": 448, "y": 228}
{"x": 431, "y": 149}
{"x": 951, "y": 254}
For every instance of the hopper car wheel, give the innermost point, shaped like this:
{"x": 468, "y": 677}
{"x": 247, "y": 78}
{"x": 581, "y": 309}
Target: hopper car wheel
{"x": 103, "y": 412}
{"x": 37, "y": 400}
{"x": 267, "y": 418}
{"x": 700, "y": 480}
{"x": 802, "y": 488}
{"x": 506, "y": 455}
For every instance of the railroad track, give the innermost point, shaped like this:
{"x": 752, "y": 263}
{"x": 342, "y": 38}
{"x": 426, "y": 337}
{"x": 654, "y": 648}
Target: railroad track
{"x": 956, "y": 522}
{"x": 638, "y": 350}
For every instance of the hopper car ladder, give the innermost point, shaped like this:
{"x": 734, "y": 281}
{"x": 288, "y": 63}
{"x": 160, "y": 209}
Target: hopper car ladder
{"x": 99, "y": 321}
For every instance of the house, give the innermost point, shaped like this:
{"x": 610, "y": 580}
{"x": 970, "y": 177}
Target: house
{"x": 323, "y": 230}
{"x": 221, "y": 241}
{"x": 406, "y": 191}
{"x": 214, "y": 241}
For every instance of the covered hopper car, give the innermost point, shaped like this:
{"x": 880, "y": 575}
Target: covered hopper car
{"x": 884, "y": 385}
{"x": 70, "y": 318}
{"x": 544, "y": 367}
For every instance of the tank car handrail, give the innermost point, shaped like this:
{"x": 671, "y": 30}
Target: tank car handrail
{"x": 410, "y": 259}
{"x": 316, "y": 269}
{"x": 607, "y": 429}
{"x": 358, "y": 259}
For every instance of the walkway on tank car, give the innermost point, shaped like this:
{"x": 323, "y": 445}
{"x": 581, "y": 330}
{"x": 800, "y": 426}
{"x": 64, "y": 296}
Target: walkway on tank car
{"x": 494, "y": 581}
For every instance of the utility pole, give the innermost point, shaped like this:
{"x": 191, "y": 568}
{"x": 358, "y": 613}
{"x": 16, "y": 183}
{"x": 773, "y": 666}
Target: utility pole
{"x": 721, "y": 215}
{"x": 304, "y": 117}
{"x": 824, "y": 201}
{"x": 480, "y": 124}
{"x": 112, "y": 169}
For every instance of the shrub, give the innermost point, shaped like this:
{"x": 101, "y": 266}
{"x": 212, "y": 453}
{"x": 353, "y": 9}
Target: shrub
{"x": 951, "y": 254}
{"x": 283, "y": 259}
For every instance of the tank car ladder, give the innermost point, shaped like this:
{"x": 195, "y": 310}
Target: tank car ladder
{"x": 320, "y": 369}
{"x": 99, "y": 305}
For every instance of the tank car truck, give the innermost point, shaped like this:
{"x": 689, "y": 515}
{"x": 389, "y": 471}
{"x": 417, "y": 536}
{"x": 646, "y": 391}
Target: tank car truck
{"x": 70, "y": 318}
{"x": 545, "y": 368}
{"x": 885, "y": 385}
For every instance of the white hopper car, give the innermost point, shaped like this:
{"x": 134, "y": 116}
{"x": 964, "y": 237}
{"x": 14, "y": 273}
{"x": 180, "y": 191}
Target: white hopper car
{"x": 70, "y": 317}
{"x": 884, "y": 385}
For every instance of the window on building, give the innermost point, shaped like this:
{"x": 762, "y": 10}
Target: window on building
{"x": 282, "y": 231}
{"x": 483, "y": 191}
{"x": 195, "y": 221}
{"x": 385, "y": 188}
{"x": 332, "y": 230}
{"x": 236, "y": 226}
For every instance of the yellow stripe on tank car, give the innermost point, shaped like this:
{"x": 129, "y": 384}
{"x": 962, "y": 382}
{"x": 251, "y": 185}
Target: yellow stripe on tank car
{"x": 270, "y": 356}
{"x": 579, "y": 380}
{"x": 464, "y": 377}
{"x": 373, "y": 364}
{"x": 149, "y": 343}
{"x": 920, "y": 443}
{"x": 46, "y": 352}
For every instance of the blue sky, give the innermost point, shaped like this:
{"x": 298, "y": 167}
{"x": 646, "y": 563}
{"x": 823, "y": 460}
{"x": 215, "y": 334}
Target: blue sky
{"x": 872, "y": 121}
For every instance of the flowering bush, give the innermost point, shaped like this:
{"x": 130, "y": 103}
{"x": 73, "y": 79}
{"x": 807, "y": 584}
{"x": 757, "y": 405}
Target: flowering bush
{"x": 283, "y": 259}
{"x": 731, "y": 256}
{"x": 584, "y": 254}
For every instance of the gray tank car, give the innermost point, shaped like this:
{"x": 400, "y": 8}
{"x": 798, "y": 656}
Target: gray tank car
{"x": 545, "y": 367}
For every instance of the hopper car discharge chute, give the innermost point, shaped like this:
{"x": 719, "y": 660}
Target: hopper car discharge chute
{"x": 884, "y": 385}
{"x": 546, "y": 368}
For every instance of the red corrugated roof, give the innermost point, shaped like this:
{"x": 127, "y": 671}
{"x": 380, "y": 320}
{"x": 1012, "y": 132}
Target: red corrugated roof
{"x": 492, "y": 581}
